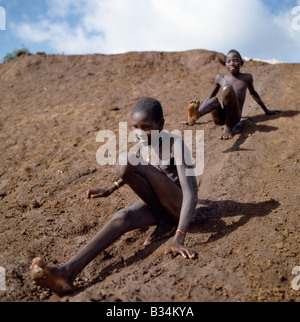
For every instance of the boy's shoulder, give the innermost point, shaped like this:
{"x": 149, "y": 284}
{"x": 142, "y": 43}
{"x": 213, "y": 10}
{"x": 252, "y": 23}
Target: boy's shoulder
{"x": 247, "y": 77}
{"x": 246, "y": 74}
{"x": 173, "y": 136}
{"x": 219, "y": 77}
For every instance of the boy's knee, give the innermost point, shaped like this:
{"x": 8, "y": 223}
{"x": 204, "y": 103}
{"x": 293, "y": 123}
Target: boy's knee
{"x": 125, "y": 163}
{"x": 226, "y": 89}
{"x": 122, "y": 217}
{"x": 215, "y": 101}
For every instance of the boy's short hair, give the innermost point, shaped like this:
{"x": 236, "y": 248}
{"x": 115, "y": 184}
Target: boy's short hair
{"x": 233, "y": 51}
{"x": 151, "y": 107}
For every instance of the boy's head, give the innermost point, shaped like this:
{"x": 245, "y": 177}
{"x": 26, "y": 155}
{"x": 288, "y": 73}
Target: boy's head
{"x": 147, "y": 116}
{"x": 235, "y": 52}
{"x": 149, "y": 106}
{"x": 234, "y": 61}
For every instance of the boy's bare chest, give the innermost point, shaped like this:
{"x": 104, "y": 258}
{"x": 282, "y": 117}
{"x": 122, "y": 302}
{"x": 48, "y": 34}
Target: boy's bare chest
{"x": 239, "y": 85}
{"x": 162, "y": 159}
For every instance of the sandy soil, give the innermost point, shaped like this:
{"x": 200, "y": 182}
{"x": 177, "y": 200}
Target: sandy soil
{"x": 246, "y": 228}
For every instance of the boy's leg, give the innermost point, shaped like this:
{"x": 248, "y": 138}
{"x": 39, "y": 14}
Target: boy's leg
{"x": 159, "y": 192}
{"x": 232, "y": 111}
{"x": 60, "y": 279}
{"x": 214, "y": 107}
{"x": 208, "y": 106}
{"x": 148, "y": 183}
{"x": 227, "y": 114}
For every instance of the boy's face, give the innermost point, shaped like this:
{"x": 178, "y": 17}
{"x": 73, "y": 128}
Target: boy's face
{"x": 143, "y": 124}
{"x": 233, "y": 63}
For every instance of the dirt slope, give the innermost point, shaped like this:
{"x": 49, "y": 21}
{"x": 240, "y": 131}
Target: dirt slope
{"x": 246, "y": 229}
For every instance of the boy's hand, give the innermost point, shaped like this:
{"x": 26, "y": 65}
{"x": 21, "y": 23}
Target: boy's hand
{"x": 177, "y": 248}
{"x": 98, "y": 193}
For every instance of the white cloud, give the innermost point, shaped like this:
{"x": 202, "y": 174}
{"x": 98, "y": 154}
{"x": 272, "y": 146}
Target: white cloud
{"x": 116, "y": 26}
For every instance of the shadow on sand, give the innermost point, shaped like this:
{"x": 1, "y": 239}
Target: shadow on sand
{"x": 248, "y": 126}
{"x": 209, "y": 216}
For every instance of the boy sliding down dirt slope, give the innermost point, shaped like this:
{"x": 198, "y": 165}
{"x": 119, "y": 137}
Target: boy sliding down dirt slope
{"x": 228, "y": 111}
{"x": 168, "y": 197}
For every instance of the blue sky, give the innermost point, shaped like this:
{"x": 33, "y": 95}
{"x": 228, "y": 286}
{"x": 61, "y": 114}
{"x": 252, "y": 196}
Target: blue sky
{"x": 262, "y": 29}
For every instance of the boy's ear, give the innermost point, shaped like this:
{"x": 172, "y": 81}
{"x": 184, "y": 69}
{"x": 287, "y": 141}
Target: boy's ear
{"x": 161, "y": 124}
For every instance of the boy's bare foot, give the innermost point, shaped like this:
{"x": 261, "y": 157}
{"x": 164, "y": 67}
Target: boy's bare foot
{"x": 227, "y": 133}
{"x": 50, "y": 277}
{"x": 193, "y": 108}
{"x": 163, "y": 230}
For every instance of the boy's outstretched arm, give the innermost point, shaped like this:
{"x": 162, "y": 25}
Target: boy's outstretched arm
{"x": 257, "y": 98}
{"x": 102, "y": 193}
{"x": 189, "y": 202}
